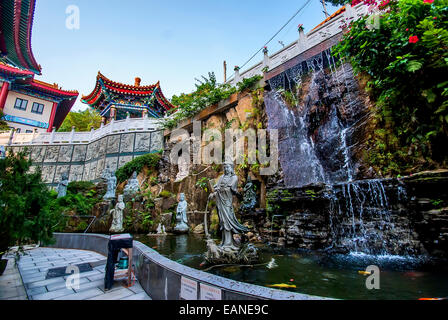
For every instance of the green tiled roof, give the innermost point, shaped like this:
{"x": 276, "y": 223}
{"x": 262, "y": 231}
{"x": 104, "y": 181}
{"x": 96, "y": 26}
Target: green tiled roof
{"x": 15, "y": 26}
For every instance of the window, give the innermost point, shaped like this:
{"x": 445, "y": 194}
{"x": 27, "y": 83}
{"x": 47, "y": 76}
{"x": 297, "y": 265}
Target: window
{"x": 21, "y": 104}
{"x": 29, "y": 131}
{"x": 37, "y": 108}
{"x": 18, "y": 130}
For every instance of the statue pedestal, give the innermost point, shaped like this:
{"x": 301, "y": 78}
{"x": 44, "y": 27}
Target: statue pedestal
{"x": 246, "y": 254}
{"x": 181, "y": 228}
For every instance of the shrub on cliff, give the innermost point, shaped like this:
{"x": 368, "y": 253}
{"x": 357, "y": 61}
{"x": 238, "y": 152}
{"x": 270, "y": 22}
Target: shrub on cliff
{"x": 208, "y": 92}
{"x": 24, "y": 199}
{"x": 405, "y": 59}
{"x": 80, "y": 187}
{"x": 81, "y": 120}
{"x": 150, "y": 160}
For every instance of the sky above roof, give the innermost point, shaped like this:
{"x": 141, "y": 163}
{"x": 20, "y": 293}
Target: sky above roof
{"x": 174, "y": 41}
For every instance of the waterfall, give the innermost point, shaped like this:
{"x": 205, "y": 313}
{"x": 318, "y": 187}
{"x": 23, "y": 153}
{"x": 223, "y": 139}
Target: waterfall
{"x": 313, "y": 140}
{"x": 296, "y": 149}
{"x": 318, "y": 111}
{"x": 362, "y": 219}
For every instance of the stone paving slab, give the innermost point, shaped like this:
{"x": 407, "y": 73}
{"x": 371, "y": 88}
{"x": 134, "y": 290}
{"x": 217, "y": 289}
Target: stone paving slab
{"x": 34, "y": 265}
{"x": 11, "y": 286}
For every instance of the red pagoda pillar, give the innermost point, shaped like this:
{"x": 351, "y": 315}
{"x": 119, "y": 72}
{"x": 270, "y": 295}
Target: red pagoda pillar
{"x": 4, "y": 94}
{"x": 53, "y": 113}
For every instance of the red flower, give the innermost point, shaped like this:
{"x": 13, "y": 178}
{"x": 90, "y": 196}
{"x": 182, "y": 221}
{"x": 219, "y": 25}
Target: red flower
{"x": 428, "y": 1}
{"x": 384, "y": 4}
{"x": 413, "y": 39}
{"x": 407, "y": 29}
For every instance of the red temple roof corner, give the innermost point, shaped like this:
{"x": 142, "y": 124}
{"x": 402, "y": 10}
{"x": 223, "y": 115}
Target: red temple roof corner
{"x": 16, "y": 22}
{"x": 104, "y": 86}
{"x": 26, "y": 84}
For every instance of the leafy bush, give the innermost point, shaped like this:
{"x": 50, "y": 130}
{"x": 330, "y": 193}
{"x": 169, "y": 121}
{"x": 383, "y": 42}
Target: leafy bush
{"x": 78, "y": 203}
{"x": 80, "y": 199}
{"x": 146, "y": 218}
{"x": 82, "y": 226}
{"x": 80, "y": 186}
{"x": 248, "y": 83}
{"x": 405, "y": 61}
{"x": 3, "y": 124}
{"x": 81, "y": 120}
{"x": 165, "y": 194}
{"x": 24, "y": 200}
{"x": 150, "y": 160}
{"x": 203, "y": 183}
{"x": 338, "y": 2}
{"x": 208, "y": 92}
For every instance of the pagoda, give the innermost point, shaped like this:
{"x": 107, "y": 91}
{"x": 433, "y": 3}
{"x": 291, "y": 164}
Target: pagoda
{"x": 26, "y": 104}
{"x": 16, "y": 21}
{"x": 29, "y": 104}
{"x": 114, "y": 100}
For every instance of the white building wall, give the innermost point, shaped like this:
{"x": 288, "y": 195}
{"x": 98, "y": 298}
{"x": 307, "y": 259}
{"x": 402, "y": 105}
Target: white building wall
{"x": 10, "y": 110}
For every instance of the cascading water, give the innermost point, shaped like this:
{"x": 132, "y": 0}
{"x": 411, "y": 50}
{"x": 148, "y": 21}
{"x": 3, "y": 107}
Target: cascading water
{"x": 297, "y": 156}
{"x": 313, "y": 140}
{"x": 316, "y": 108}
{"x": 354, "y": 202}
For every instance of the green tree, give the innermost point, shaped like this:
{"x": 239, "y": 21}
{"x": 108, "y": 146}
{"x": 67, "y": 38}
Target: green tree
{"x": 337, "y": 2}
{"x": 3, "y": 124}
{"x": 405, "y": 61}
{"x": 81, "y": 120}
{"x": 208, "y": 92}
{"x": 24, "y": 199}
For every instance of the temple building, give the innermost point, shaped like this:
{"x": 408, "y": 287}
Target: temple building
{"x": 27, "y": 104}
{"x": 16, "y": 21}
{"x": 114, "y": 100}
{"x": 31, "y": 105}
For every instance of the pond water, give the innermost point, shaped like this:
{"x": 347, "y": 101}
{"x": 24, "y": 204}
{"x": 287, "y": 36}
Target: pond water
{"x": 334, "y": 276}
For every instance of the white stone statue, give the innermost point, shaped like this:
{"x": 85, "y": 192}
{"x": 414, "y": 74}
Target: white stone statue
{"x": 184, "y": 169}
{"x": 105, "y": 175}
{"x": 132, "y": 187}
{"x": 62, "y": 186}
{"x": 111, "y": 186}
{"x": 2, "y": 152}
{"x": 225, "y": 189}
{"x": 161, "y": 229}
{"x": 117, "y": 215}
{"x": 181, "y": 217}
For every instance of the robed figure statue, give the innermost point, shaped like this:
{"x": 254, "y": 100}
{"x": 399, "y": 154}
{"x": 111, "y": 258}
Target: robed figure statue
{"x": 223, "y": 193}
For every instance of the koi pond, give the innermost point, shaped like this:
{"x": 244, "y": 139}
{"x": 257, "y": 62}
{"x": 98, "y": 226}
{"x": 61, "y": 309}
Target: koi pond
{"x": 334, "y": 276}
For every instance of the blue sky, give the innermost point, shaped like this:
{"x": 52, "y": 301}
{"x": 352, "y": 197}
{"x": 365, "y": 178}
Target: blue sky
{"x": 173, "y": 41}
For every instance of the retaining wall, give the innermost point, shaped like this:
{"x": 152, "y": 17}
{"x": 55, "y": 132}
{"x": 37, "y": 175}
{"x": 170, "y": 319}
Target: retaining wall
{"x": 86, "y": 162}
{"x": 161, "y": 278}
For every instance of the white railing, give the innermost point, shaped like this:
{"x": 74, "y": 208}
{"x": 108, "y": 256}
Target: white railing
{"x": 305, "y": 42}
{"x": 127, "y": 125}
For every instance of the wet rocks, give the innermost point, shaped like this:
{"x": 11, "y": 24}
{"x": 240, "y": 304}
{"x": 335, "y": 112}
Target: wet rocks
{"x": 199, "y": 229}
{"x": 407, "y": 216}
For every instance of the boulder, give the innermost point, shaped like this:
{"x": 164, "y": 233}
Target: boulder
{"x": 199, "y": 229}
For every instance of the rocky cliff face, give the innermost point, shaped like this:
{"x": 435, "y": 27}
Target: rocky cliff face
{"x": 199, "y": 180}
{"x": 405, "y": 216}
{"x": 321, "y": 116}
{"x": 325, "y": 197}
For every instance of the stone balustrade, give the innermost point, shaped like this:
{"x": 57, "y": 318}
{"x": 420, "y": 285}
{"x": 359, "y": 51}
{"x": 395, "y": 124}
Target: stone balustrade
{"x": 40, "y": 138}
{"x": 304, "y": 43}
{"x": 84, "y": 155}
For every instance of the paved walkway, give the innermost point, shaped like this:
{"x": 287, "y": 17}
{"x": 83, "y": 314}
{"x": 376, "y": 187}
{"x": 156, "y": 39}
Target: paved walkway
{"x": 34, "y": 266}
{"x": 11, "y": 286}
